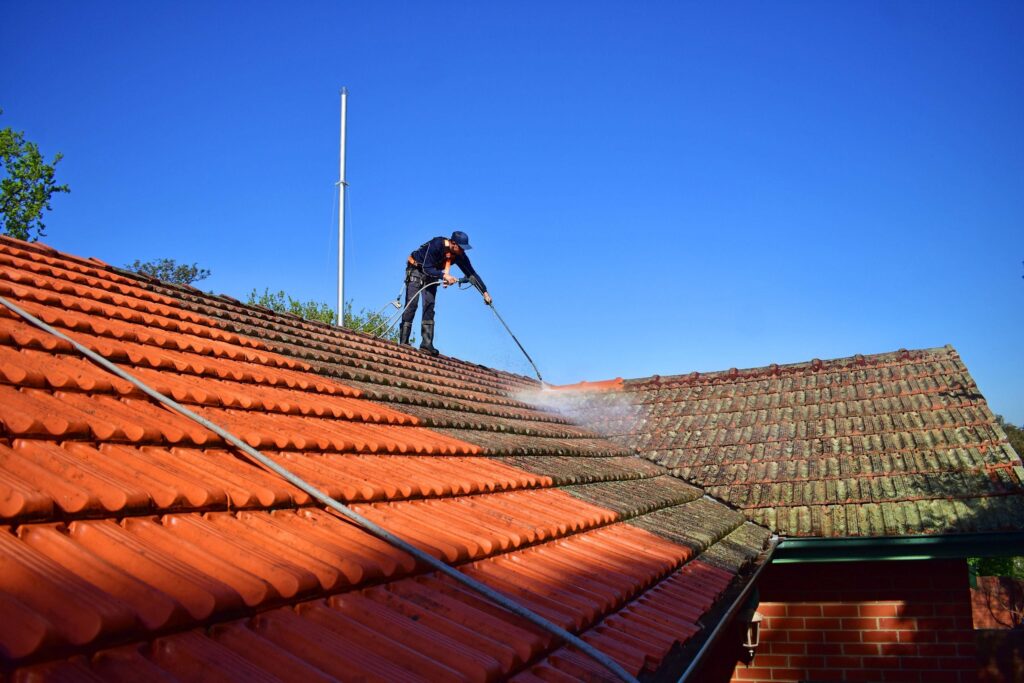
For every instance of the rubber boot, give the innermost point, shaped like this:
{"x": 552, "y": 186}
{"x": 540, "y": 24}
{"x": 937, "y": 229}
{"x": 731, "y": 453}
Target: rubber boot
{"x": 427, "y": 345}
{"x": 406, "y": 331}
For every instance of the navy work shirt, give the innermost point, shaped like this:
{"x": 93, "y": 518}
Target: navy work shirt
{"x": 430, "y": 257}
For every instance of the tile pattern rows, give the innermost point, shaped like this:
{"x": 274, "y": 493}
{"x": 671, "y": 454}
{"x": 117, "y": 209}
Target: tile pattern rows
{"x": 899, "y": 443}
{"x": 136, "y": 544}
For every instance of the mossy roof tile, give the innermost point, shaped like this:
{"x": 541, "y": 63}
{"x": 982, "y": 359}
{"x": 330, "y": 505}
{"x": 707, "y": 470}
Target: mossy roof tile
{"x": 908, "y": 431}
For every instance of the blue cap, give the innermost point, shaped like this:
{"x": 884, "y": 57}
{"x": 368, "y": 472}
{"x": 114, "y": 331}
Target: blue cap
{"x": 462, "y": 239}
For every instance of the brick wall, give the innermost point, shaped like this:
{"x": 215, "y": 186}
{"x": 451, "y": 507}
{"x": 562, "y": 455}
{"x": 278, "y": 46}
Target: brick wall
{"x": 865, "y": 621}
{"x": 998, "y": 602}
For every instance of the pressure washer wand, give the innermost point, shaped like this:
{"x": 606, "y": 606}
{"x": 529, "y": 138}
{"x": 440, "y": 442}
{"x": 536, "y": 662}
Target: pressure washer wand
{"x": 502, "y": 321}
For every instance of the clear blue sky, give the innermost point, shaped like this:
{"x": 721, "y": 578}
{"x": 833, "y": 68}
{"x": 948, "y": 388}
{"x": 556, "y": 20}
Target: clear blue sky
{"x": 649, "y": 187}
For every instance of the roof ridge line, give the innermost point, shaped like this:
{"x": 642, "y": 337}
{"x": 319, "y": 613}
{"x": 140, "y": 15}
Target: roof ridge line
{"x": 845, "y": 362}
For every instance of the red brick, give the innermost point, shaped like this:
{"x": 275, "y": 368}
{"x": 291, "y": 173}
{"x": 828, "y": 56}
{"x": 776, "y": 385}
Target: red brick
{"x": 822, "y": 623}
{"x": 860, "y": 675}
{"x": 958, "y": 637}
{"x": 842, "y": 636}
{"x": 899, "y": 649}
{"x": 772, "y": 609}
{"x": 894, "y": 676}
{"x": 840, "y": 610}
{"x": 936, "y": 650}
{"x": 843, "y": 662}
{"x": 880, "y": 636}
{"x": 825, "y": 675}
{"x": 918, "y": 609}
{"x": 806, "y": 662}
{"x": 783, "y": 623}
{"x": 753, "y": 673}
{"x": 884, "y": 610}
{"x": 826, "y": 649}
{"x": 788, "y": 674}
{"x": 880, "y": 663}
{"x": 803, "y": 610}
{"x": 957, "y": 663}
{"x": 966, "y": 649}
{"x": 787, "y": 648}
{"x": 937, "y": 624}
{"x": 808, "y": 636}
{"x": 937, "y": 597}
{"x": 898, "y": 623}
{"x": 860, "y": 649}
{"x": 954, "y": 610}
{"x": 927, "y": 663}
{"x": 917, "y": 636}
{"x": 770, "y": 661}
{"x": 860, "y": 624}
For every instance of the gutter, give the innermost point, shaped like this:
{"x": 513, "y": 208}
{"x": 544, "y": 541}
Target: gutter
{"x": 934, "y": 547}
{"x": 726, "y": 620}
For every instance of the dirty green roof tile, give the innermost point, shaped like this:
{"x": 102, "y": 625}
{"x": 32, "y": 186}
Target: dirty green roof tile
{"x": 825, "y": 432}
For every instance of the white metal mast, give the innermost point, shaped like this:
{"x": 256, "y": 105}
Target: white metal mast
{"x": 342, "y": 186}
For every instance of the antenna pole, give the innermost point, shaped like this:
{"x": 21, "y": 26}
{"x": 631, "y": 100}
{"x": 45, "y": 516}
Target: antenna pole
{"x": 342, "y": 187}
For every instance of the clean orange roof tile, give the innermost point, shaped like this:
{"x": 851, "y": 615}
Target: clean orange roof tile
{"x": 132, "y": 526}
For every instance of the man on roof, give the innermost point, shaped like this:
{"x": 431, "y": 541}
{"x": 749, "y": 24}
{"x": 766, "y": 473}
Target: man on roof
{"x": 427, "y": 267}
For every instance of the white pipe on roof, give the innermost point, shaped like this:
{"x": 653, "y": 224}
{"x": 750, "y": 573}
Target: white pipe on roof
{"x": 342, "y": 186}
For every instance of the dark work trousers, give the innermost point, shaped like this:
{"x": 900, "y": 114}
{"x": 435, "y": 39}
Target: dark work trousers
{"x": 414, "y": 280}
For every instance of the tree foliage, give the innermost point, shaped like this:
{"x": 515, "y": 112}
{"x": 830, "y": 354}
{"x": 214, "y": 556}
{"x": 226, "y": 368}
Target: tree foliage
{"x": 26, "y": 186}
{"x": 169, "y": 270}
{"x": 1006, "y": 567}
{"x": 365, "y": 321}
{"x": 1014, "y": 434}
{"x": 284, "y": 303}
{"x": 1012, "y": 567}
{"x": 370, "y": 322}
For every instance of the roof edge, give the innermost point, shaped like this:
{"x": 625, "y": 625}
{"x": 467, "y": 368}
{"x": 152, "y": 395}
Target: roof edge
{"x": 815, "y": 364}
{"x": 601, "y": 385}
{"x": 688, "y": 660}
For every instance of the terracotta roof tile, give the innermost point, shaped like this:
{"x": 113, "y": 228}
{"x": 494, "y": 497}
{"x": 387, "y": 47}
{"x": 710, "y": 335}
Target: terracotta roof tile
{"x": 900, "y": 443}
{"x": 605, "y": 385}
{"x": 138, "y": 545}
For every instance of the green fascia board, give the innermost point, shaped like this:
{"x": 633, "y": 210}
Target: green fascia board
{"x": 862, "y": 549}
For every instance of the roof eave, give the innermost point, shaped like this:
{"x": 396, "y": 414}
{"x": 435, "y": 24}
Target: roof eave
{"x": 687, "y": 660}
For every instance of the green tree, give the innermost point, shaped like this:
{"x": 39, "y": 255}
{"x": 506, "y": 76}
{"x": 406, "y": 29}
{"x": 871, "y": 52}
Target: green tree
{"x": 169, "y": 270}
{"x": 370, "y": 322}
{"x": 26, "y": 186}
{"x": 283, "y": 303}
{"x": 997, "y": 566}
{"x": 365, "y": 321}
{"x": 1014, "y": 434}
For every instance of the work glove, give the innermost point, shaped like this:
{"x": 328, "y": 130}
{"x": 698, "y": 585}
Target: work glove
{"x": 487, "y": 299}
{"x": 450, "y": 280}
